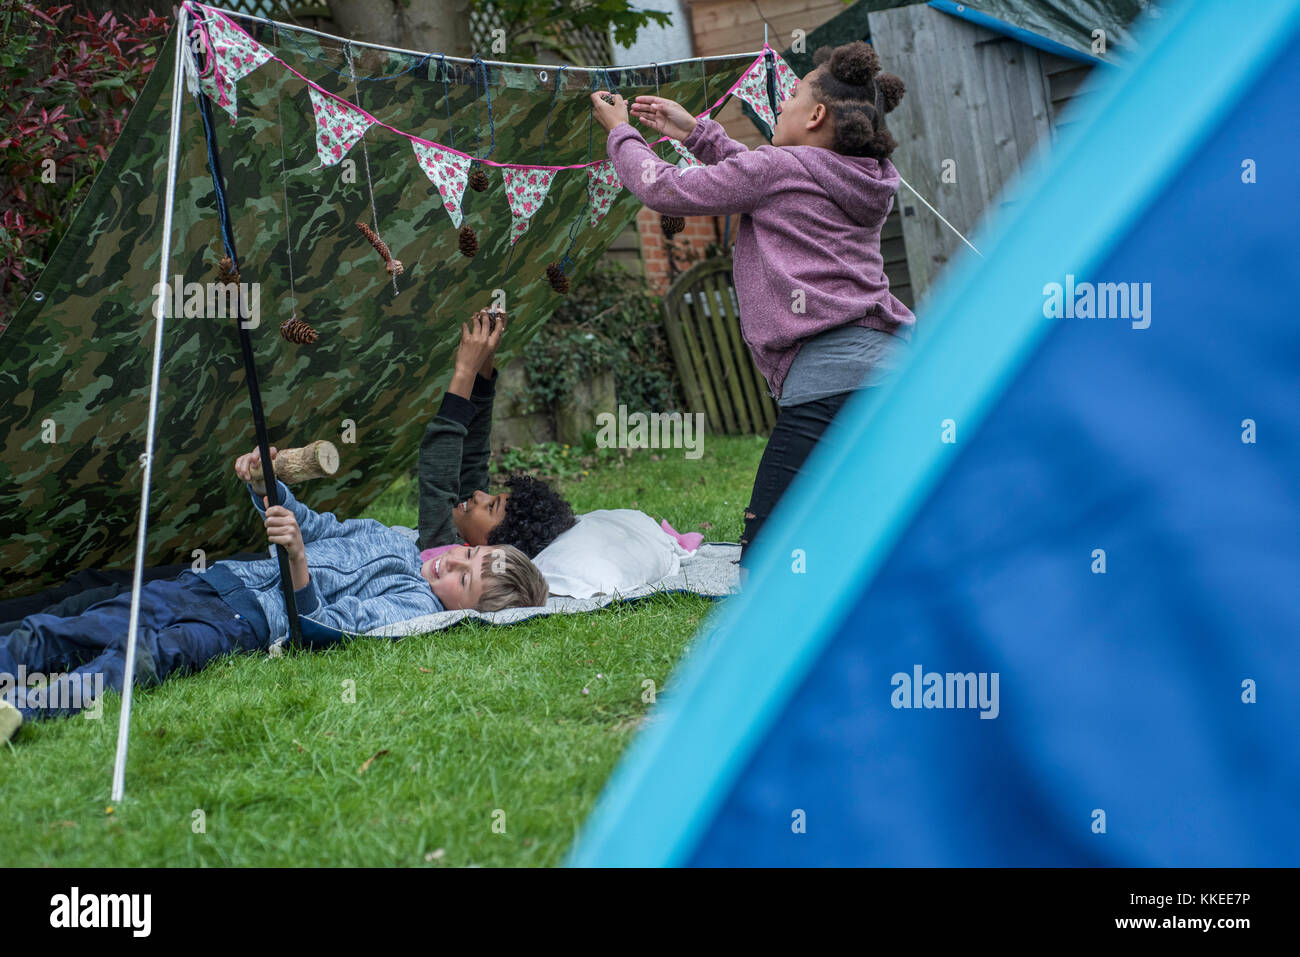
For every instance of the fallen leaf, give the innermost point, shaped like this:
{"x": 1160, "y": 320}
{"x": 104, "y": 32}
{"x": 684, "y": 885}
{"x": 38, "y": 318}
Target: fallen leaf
{"x": 706, "y": 524}
{"x": 371, "y": 760}
{"x": 427, "y": 671}
{"x": 63, "y": 824}
{"x": 437, "y": 855}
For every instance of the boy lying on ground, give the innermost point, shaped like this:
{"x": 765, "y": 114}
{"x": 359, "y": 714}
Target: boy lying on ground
{"x": 454, "y": 464}
{"x": 348, "y": 577}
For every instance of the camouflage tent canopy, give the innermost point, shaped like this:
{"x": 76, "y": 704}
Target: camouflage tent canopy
{"x": 75, "y": 361}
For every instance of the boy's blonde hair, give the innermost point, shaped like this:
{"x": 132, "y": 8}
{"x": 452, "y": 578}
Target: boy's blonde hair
{"x": 510, "y": 580}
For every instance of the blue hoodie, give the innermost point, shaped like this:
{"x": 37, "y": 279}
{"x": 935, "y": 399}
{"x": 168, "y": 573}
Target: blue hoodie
{"x": 363, "y": 575}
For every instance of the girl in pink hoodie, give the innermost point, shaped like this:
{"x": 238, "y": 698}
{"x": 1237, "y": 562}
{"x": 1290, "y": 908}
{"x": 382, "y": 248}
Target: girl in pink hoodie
{"x": 815, "y": 306}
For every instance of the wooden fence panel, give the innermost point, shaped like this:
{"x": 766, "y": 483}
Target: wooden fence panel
{"x": 717, "y": 372}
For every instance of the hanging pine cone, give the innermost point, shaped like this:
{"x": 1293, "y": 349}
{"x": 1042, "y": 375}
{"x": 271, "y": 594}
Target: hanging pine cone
{"x": 226, "y": 271}
{"x": 373, "y": 238}
{"x": 298, "y": 332}
{"x": 478, "y": 180}
{"x": 558, "y": 280}
{"x": 608, "y": 98}
{"x": 468, "y": 241}
{"x": 672, "y": 225}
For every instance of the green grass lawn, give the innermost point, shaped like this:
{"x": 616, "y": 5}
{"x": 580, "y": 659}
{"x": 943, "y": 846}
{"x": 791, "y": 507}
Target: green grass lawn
{"x": 449, "y": 735}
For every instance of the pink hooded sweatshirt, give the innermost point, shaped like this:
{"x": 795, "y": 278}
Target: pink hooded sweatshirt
{"x": 808, "y": 247}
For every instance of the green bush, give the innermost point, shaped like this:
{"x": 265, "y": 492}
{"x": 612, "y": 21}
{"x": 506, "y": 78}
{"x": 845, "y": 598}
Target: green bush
{"x": 608, "y": 322}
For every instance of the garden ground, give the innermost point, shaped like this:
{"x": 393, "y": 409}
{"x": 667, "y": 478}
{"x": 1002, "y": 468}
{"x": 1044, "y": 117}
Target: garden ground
{"x": 480, "y": 745}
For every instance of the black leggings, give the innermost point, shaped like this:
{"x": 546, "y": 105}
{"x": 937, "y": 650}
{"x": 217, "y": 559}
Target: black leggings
{"x": 797, "y": 431}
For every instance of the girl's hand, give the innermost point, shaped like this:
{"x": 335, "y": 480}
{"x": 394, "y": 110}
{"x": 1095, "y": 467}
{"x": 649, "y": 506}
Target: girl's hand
{"x": 609, "y": 115}
{"x": 282, "y": 529}
{"x": 249, "y": 469}
{"x": 497, "y": 327}
{"x": 478, "y": 342}
{"x": 666, "y": 116}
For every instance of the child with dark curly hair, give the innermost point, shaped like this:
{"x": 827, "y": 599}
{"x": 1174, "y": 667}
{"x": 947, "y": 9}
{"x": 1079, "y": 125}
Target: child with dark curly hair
{"x": 815, "y": 305}
{"x": 454, "y": 454}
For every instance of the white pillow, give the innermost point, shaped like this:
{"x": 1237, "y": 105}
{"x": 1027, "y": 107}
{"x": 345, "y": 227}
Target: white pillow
{"x": 610, "y": 550}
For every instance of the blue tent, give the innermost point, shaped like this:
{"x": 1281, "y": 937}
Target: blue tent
{"x": 1103, "y": 513}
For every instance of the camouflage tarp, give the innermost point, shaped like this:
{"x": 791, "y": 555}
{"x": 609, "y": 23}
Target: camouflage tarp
{"x": 75, "y": 361}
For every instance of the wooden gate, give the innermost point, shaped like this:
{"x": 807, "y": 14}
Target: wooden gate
{"x": 718, "y": 375}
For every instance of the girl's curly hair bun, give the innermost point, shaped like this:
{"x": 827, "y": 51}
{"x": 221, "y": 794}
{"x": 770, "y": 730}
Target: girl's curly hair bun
{"x": 853, "y": 126}
{"x": 881, "y": 144}
{"x": 854, "y": 63}
{"x": 891, "y": 90}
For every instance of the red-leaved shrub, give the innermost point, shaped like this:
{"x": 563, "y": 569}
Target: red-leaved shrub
{"x": 70, "y": 80}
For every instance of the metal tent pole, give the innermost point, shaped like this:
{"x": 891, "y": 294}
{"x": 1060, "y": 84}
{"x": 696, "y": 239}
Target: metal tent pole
{"x": 160, "y": 308}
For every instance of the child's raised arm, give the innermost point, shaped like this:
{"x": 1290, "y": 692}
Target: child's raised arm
{"x": 477, "y": 450}
{"x": 443, "y": 446}
{"x": 705, "y": 138}
{"x": 735, "y": 185}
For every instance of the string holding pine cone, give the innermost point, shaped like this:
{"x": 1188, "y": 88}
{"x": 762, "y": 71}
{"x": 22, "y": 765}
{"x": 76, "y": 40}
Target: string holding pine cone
{"x": 478, "y": 180}
{"x": 558, "y": 280}
{"x": 298, "y": 332}
{"x": 672, "y": 225}
{"x": 391, "y": 265}
{"x": 608, "y": 98}
{"x": 468, "y": 241}
{"x": 226, "y": 271}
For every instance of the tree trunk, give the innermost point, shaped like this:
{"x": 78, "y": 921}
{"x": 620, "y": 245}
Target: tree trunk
{"x": 433, "y": 26}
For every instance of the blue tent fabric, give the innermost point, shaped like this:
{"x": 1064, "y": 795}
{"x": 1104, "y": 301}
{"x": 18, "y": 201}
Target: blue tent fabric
{"x": 1120, "y": 692}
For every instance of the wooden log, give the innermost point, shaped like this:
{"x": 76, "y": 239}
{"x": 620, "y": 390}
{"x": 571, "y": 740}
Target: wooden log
{"x": 316, "y": 460}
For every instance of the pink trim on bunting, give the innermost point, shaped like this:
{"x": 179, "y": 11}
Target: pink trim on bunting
{"x": 234, "y": 55}
{"x": 525, "y": 189}
{"x": 337, "y": 127}
{"x": 603, "y": 185}
{"x": 752, "y": 88}
{"x": 685, "y": 154}
{"x": 448, "y": 172}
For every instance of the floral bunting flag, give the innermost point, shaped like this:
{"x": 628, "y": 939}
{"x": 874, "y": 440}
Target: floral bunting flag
{"x": 526, "y": 187}
{"x": 235, "y": 55}
{"x": 338, "y": 127}
{"x": 603, "y": 185}
{"x": 685, "y": 154}
{"x": 785, "y": 79}
{"x": 753, "y": 90}
{"x": 447, "y": 171}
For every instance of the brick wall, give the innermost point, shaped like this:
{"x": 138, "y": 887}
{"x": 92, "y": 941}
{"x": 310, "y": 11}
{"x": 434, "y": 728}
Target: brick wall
{"x": 691, "y": 242}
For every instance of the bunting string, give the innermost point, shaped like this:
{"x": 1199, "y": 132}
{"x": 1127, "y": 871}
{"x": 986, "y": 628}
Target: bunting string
{"x": 234, "y": 58}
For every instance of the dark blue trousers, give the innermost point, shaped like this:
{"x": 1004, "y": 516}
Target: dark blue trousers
{"x": 183, "y": 625}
